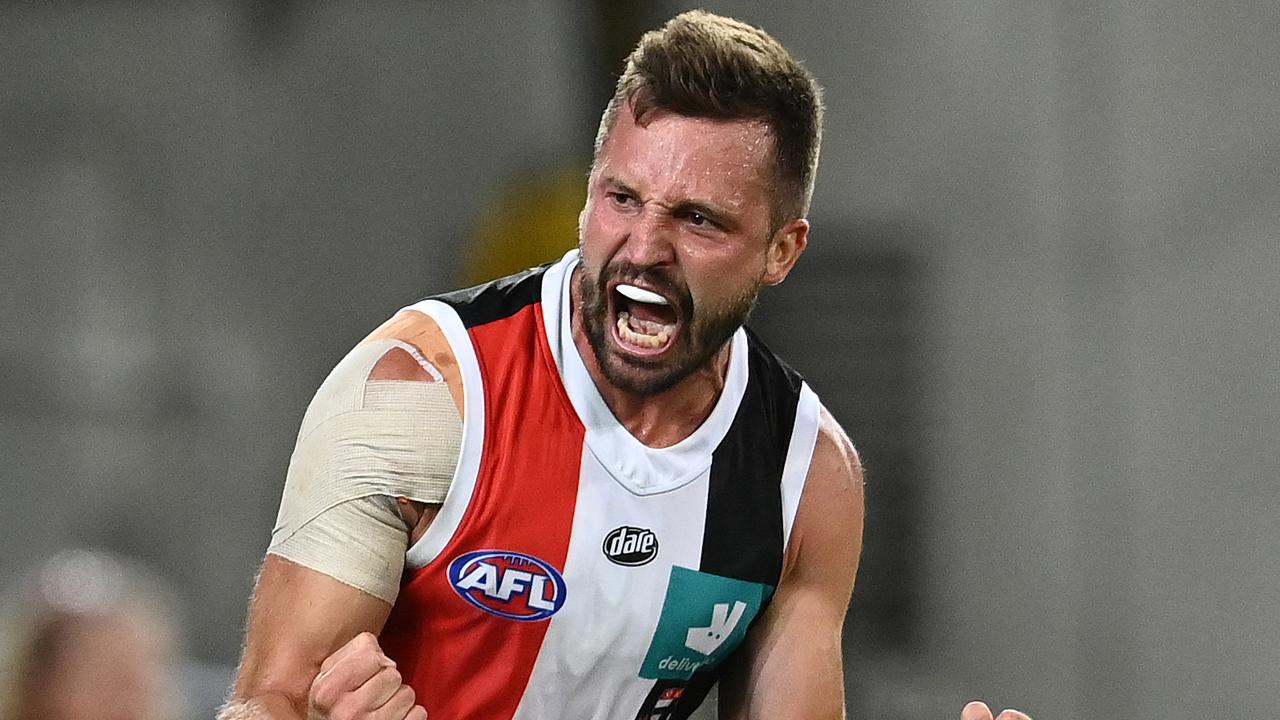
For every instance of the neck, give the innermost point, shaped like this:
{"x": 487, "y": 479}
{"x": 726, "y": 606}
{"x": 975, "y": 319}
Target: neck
{"x": 660, "y": 419}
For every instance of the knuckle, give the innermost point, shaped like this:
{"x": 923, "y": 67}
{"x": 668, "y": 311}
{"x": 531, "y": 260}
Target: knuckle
{"x": 400, "y": 705}
{"x": 348, "y": 710}
{"x": 394, "y": 708}
{"x": 383, "y": 682}
{"x": 324, "y": 695}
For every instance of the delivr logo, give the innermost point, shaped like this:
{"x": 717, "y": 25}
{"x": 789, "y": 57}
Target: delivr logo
{"x": 704, "y": 618}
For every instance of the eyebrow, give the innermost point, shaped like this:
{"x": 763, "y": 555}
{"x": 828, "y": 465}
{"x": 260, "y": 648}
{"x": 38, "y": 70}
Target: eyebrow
{"x": 613, "y": 182}
{"x": 717, "y": 214}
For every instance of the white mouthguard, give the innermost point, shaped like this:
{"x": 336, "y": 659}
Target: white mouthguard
{"x": 632, "y": 292}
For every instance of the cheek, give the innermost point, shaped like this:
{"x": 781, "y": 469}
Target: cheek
{"x": 713, "y": 285}
{"x": 710, "y": 290}
{"x": 599, "y": 232}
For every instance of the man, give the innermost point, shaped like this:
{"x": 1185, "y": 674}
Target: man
{"x": 611, "y": 494}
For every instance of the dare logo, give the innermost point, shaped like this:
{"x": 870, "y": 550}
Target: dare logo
{"x": 508, "y": 584}
{"x": 630, "y": 546}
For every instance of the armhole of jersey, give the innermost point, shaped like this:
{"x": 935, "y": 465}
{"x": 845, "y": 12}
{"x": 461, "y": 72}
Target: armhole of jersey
{"x": 458, "y": 499}
{"x": 804, "y": 437}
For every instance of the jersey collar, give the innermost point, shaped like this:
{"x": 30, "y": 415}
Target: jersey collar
{"x": 639, "y": 468}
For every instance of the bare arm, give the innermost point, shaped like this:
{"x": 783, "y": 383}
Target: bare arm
{"x": 298, "y": 618}
{"x": 792, "y": 665}
{"x": 326, "y": 587}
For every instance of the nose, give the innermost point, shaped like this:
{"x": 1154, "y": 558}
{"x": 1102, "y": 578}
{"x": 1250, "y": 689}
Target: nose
{"x": 650, "y": 240}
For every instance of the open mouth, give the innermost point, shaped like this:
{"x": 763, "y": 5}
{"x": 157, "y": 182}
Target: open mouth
{"x": 645, "y": 322}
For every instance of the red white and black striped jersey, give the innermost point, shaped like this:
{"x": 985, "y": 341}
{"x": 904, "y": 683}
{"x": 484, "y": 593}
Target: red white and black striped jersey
{"x": 573, "y": 572}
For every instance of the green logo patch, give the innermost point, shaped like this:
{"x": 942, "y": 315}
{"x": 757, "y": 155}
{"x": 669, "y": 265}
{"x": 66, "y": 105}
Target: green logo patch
{"x": 704, "y": 617}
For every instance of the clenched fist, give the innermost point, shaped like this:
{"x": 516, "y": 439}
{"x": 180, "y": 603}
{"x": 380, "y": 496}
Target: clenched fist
{"x": 359, "y": 682}
{"x": 979, "y": 711}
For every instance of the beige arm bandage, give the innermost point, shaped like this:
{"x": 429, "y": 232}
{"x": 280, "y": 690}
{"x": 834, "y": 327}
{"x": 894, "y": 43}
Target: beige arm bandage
{"x": 364, "y": 443}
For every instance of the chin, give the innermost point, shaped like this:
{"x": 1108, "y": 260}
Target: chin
{"x": 640, "y": 382}
{"x": 646, "y": 375}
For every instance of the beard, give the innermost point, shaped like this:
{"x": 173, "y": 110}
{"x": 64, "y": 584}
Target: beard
{"x": 701, "y": 331}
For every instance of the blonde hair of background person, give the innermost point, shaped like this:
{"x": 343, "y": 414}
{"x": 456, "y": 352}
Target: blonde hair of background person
{"x": 89, "y": 636}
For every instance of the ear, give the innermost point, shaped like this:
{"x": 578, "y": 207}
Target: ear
{"x": 784, "y": 250}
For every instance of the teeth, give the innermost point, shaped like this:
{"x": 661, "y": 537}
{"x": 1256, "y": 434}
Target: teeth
{"x": 632, "y": 292}
{"x": 643, "y": 333}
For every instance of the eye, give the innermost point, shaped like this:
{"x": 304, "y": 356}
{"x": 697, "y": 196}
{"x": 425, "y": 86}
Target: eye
{"x": 701, "y": 221}
{"x": 621, "y": 198}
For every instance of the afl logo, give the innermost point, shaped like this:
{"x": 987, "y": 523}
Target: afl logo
{"x": 508, "y": 584}
{"x": 631, "y": 546}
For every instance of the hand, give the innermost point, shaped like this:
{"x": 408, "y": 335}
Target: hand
{"x": 979, "y": 711}
{"x": 359, "y": 682}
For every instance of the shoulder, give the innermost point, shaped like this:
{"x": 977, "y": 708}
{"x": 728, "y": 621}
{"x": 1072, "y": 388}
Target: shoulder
{"x": 411, "y": 346}
{"x": 429, "y": 341}
{"x": 406, "y": 356}
{"x": 836, "y": 468}
{"x": 829, "y": 519}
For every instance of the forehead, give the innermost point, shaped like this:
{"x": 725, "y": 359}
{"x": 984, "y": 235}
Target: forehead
{"x": 679, "y": 155}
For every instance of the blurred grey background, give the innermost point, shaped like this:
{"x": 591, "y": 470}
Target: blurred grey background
{"x": 1041, "y": 295}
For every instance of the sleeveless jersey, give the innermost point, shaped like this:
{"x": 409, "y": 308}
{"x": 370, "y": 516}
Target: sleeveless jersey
{"x": 572, "y": 572}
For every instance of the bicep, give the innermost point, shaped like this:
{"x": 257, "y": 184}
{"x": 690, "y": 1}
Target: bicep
{"x": 792, "y": 664}
{"x": 297, "y": 618}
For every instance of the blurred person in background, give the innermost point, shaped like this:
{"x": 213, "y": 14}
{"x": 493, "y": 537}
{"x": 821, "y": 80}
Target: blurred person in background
{"x": 586, "y": 490}
{"x": 91, "y": 637}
